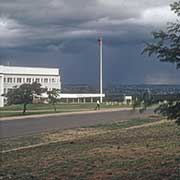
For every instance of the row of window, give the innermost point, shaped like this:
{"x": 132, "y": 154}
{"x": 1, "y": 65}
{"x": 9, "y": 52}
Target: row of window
{"x": 8, "y": 89}
{"x": 29, "y": 80}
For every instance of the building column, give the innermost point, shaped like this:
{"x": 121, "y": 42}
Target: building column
{"x": 67, "y": 100}
{"x": 84, "y": 100}
{"x": 91, "y": 100}
{"x": 1, "y": 90}
{"x": 78, "y": 101}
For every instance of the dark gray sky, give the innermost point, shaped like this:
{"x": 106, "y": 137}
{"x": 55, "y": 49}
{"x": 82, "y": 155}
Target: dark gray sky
{"x": 64, "y": 33}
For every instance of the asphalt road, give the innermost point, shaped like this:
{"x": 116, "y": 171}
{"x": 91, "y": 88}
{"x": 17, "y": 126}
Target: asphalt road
{"x": 21, "y": 127}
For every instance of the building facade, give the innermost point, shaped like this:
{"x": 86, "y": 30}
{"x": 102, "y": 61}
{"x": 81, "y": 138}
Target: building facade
{"x": 11, "y": 76}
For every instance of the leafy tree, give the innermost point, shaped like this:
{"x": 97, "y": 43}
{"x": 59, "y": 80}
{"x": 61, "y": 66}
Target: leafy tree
{"x": 143, "y": 101}
{"x": 53, "y": 97}
{"x": 23, "y": 94}
{"x": 166, "y": 47}
{"x": 37, "y": 89}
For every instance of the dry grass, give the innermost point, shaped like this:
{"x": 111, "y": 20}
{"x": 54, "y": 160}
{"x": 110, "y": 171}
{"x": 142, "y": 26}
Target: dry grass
{"x": 128, "y": 150}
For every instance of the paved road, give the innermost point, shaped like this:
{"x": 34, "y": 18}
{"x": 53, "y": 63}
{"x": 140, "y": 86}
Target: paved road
{"x": 21, "y": 127}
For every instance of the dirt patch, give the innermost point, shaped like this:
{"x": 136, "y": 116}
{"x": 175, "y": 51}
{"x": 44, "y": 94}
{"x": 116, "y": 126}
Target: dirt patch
{"x": 69, "y": 135}
{"x": 147, "y": 125}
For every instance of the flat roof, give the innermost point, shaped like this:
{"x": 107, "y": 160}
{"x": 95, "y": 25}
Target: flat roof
{"x": 62, "y": 95}
{"x": 28, "y": 70}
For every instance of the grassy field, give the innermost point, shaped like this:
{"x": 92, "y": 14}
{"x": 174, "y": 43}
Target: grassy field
{"x": 16, "y": 110}
{"x": 134, "y": 149}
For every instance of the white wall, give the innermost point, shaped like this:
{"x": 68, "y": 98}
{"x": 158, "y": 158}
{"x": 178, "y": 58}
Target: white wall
{"x": 28, "y": 70}
{"x": 53, "y": 81}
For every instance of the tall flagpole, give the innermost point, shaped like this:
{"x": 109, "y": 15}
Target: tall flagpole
{"x": 101, "y": 68}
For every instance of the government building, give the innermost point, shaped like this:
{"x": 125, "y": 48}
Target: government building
{"x": 11, "y": 76}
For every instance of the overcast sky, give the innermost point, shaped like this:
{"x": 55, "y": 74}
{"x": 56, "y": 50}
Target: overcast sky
{"x": 64, "y": 33}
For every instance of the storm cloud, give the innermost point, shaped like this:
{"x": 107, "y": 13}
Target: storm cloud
{"x": 63, "y": 33}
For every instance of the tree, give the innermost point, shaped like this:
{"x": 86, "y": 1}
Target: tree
{"x": 166, "y": 47}
{"x": 23, "y": 94}
{"x": 53, "y": 97}
{"x": 143, "y": 101}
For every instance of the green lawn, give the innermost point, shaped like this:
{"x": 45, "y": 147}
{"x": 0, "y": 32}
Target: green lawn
{"x": 134, "y": 149}
{"x": 16, "y": 110}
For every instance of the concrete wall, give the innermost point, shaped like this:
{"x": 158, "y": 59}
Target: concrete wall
{"x": 52, "y": 81}
{"x": 28, "y": 70}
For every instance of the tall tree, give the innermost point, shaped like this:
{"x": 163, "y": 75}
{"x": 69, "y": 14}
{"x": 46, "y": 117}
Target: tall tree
{"x": 53, "y": 97}
{"x": 23, "y": 94}
{"x": 166, "y": 47}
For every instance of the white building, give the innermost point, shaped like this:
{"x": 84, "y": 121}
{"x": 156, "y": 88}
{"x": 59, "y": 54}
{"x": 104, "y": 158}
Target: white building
{"x": 11, "y": 76}
{"x": 128, "y": 100}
